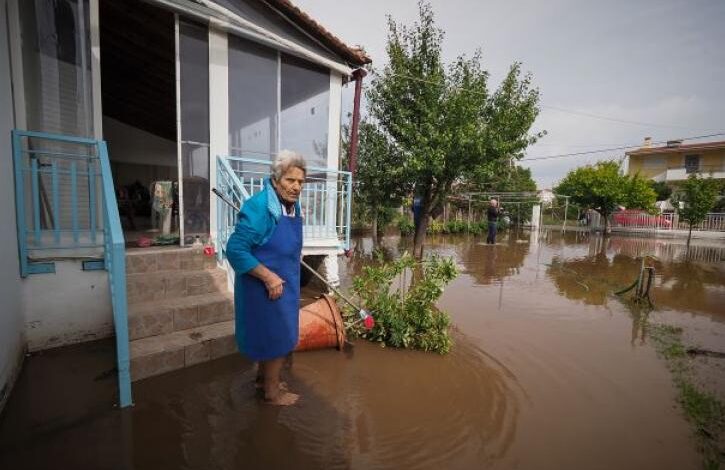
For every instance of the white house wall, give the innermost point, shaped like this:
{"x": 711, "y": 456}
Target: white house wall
{"x": 70, "y": 306}
{"x": 11, "y": 316}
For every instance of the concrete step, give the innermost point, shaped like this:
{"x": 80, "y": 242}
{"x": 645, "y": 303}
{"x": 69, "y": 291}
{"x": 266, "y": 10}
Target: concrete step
{"x": 149, "y": 260}
{"x": 160, "y": 317}
{"x": 160, "y": 285}
{"x": 164, "y": 353}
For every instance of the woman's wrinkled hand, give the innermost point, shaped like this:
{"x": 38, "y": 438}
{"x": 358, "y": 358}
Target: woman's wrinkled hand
{"x": 275, "y": 286}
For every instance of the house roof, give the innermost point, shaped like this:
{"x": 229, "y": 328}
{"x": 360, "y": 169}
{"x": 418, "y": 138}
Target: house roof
{"x": 680, "y": 148}
{"x": 354, "y": 55}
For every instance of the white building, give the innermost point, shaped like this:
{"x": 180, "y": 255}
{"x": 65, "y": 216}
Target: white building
{"x": 196, "y": 94}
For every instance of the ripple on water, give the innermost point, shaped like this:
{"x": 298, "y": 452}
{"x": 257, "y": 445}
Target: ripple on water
{"x": 392, "y": 408}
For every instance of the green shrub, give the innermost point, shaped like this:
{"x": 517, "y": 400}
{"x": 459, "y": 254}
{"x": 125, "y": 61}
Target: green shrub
{"x": 455, "y": 226}
{"x": 478, "y": 228}
{"x": 435, "y": 228}
{"x": 405, "y": 225}
{"x": 407, "y": 317}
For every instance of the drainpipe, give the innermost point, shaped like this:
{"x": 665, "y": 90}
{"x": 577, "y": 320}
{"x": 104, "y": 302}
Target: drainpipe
{"x": 357, "y": 75}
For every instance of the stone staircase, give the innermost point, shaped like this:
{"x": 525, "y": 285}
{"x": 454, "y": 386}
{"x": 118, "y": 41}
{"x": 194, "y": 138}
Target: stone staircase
{"x": 180, "y": 312}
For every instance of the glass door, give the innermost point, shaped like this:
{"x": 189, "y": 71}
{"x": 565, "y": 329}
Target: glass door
{"x": 193, "y": 114}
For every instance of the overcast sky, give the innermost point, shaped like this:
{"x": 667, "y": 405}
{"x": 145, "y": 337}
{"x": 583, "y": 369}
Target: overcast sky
{"x": 658, "y": 64}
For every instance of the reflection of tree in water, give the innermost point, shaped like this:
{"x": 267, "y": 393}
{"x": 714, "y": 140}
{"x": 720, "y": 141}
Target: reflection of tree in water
{"x": 591, "y": 279}
{"x": 487, "y": 263}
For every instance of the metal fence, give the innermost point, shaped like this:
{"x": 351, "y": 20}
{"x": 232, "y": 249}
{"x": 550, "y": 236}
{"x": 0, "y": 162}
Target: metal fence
{"x": 65, "y": 203}
{"x": 325, "y": 200}
{"x": 667, "y": 221}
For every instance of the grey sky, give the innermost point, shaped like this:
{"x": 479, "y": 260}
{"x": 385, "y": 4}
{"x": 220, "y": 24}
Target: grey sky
{"x": 650, "y": 61}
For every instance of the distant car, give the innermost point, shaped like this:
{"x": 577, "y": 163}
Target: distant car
{"x": 634, "y": 218}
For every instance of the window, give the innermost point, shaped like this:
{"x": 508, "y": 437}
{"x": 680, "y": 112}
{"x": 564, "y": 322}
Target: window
{"x": 304, "y": 120}
{"x": 692, "y": 163}
{"x": 253, "y": 101}
{"x": 654, "y": 163}
{"x": 56, "y": 66}
{"x": 194, "y": 88}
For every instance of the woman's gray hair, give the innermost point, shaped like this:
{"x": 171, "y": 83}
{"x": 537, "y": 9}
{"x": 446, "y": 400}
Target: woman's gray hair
{"x": 285, "y": 160}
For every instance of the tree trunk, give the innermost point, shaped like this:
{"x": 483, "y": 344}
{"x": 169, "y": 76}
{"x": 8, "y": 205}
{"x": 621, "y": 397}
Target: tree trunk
{"x": 375, "y": 227}
{"x": 689, "y": 236}
{"x": 607, "y": 228}
{"x": 420, "y": 230}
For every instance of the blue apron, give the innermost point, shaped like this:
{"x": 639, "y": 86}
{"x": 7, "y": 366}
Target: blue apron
{"x": 269, "y": 329}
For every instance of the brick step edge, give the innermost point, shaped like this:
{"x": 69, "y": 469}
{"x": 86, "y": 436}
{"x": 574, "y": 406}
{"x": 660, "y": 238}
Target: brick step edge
{"x": 165, "y": 316}
{"x": 146, "y": 287}
{"x": 160, "y": 354}
{"x": 143, "y": 262}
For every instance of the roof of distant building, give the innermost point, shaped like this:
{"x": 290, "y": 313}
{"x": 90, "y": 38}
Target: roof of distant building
{"x": 678, "y": 148}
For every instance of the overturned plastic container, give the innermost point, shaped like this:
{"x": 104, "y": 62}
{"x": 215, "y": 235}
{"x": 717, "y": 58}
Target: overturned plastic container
{"x": 321, "y": 325}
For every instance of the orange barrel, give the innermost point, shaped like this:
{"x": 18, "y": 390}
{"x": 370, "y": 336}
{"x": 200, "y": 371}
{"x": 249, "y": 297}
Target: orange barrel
{"x": 321, "y": 325}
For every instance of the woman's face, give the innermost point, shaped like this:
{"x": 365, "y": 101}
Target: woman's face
{"x": 290, "y": 184}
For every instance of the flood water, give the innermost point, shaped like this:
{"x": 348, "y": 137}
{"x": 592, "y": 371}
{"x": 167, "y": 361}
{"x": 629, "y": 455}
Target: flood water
{"x": 548, "y": 371}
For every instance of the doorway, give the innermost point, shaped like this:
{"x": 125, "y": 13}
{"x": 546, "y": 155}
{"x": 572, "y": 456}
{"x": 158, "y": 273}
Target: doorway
{"x": 138, "y": 83}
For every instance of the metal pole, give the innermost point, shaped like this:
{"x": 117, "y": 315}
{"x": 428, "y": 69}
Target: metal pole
{"x": 469, "y": 212}
{"x": 357, "y": 75}
{"x": 566, "y": 210}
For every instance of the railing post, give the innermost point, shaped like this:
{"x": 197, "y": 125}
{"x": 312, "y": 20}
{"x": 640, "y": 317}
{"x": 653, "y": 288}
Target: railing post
{"x": 74, "y": 199}
{"x": 56, "y": 202}
{"x": 35, "y": 187}
{"x": 117, "y": 277}
{"x": 91, "y": 200}
{"x": 20, "y": 204}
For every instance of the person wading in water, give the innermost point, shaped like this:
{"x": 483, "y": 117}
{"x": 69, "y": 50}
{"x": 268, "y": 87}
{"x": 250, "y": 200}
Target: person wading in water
{"x": 264, "y": 252}
{"x": 492, "y": 214}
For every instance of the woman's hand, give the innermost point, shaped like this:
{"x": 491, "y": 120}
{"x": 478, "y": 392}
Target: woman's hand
{"x": 274, "y": 285}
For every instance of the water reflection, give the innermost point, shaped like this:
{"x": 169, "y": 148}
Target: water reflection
{"x": 492, "y": 263}
{"x": 684, "y": 282}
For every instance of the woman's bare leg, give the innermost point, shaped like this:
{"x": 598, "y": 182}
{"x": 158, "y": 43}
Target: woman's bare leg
{"x": 273, "y": 392}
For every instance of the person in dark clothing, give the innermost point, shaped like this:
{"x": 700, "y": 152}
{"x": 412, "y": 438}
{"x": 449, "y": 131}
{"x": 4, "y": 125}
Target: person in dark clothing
{"x": 492, "y": 214}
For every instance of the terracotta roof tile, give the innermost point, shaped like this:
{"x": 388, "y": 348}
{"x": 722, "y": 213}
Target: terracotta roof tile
{"x": 682, "y": 147}
{"x": 353, "y": 55}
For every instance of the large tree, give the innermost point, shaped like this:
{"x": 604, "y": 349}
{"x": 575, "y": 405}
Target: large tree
{"x": 379, "y": 185}
{"x": 444, "y": 121}
{"x": 603, "y": 188}
{"x": 694, "y": 199}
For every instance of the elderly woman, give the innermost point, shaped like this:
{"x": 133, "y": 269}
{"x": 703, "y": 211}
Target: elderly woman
{"x": 264, "y": 251}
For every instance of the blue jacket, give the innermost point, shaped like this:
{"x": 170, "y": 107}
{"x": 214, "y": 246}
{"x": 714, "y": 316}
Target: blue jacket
{"x": 257, "y": 221}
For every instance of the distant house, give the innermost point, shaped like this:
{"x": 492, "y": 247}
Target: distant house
{"x": 546, "y": 196}
{"x": 675, "y": 161}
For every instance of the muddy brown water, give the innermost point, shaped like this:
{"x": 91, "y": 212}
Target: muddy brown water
{"x": 548, "y": 371}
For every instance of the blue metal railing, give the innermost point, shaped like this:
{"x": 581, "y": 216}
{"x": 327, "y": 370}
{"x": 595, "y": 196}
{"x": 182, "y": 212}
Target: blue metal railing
{"x": 81, "y": 192}
{"x": 325, "y": 199}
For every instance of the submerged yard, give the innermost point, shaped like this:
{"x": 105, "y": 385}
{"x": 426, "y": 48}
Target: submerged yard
{"x": 548, "y": 370}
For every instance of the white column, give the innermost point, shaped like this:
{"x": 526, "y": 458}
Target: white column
{"x": 535, "y": 213}
{"x": 218, "y": 112}
{"x": 97, "y": 108}
{"x": 330, "y": 270}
